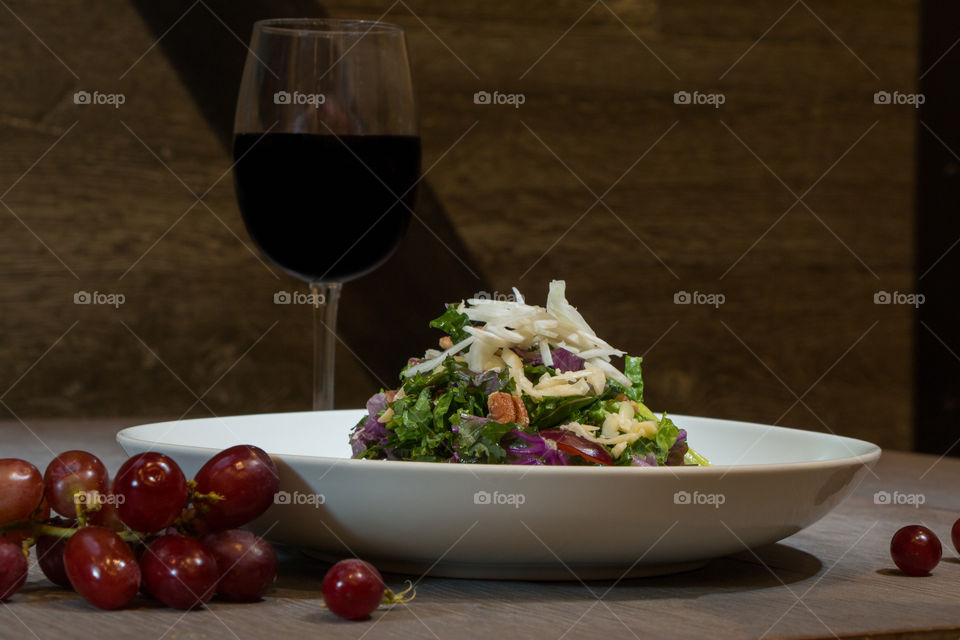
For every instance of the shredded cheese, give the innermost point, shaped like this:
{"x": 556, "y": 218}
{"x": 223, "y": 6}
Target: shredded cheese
{"x": 513, "y": 323}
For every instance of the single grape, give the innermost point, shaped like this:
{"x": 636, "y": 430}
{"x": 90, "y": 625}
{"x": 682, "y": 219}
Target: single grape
{"x": 107, "y": 515}
{"x": 70, "y": 473}
{"x": 247, "y": 479}
{"x": 915, "y": 550}
{"x": 40, "y": 514}
{"x": 352, "y": 589}
{"x": 49, "y": 554}
{"x": 13, "y": 568}
{"x": 179, "y": 571}
{"x": 151, "y": 491}
{"x": 101, "y": 567}
{"x": 21, "y": 488}
{"x": 955, "y": 535}
{"x": 248, "y": 564}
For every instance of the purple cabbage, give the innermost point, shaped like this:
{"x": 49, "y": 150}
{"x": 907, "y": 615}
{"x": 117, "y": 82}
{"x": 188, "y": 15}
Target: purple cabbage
{"x": 531, "y": 448}
{"x": 371, "y": 431}
{"x": 563, "y": 360}
{"x": 649, "y": 461}
{"x": 678, "y": 450}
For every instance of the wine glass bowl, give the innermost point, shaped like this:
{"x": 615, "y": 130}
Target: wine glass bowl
{"x": 326, "y": 156}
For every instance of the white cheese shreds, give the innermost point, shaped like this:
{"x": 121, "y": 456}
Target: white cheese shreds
{"x": 545, "y": 354}
{"x": 506, "y": 324}
{"x": 433, "y": 363}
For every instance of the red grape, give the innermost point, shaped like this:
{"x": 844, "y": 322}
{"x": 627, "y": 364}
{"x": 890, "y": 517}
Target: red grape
{"x": 577, "y": 445}
{"x": 40, "y": 514}
{"x": 107, "y": 515}
{"x": 50, "y": 554}
{"x": 21, "y": 488}
{"x": 151, "y": 492}
{"x": 248, "y": 564}
{"x": 247, "y": 479}
{"x": 70, "y": 473}
{"x": 352, "y": 589}
{"x": 916, "y": 550}
{"x": 101, "y": 567}
{"x": 179, "y": 571}
{"x": 955, "y": 535}
{"x": 13, "y": 568}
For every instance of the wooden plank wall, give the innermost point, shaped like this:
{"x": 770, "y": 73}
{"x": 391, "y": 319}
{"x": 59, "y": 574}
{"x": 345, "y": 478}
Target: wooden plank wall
{"x": 700, "y": 199}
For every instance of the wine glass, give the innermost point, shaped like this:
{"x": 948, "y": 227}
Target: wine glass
{"x": 327, "y": 158}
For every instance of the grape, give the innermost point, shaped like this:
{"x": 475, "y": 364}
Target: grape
{"x": 101, "y": 567}
{"x": 352, "y": 589}
{"x": 107, "y": 515}
{"x": 572, "y": 443}
{"x": 248, "y": 564}
{"x": 179, "y": 571}
{"x": 41, "y": 513}
{"x": 21, "y": 488}
{"x": 955, "y": 535}
{"x": 247, "y": 479}
{"x": 13, "y": 568}
{"x": 50, "y": 554}
{"x": 916, "y": 550}
{"x": 151, "y": 491}
{"x": 72, "y": 472}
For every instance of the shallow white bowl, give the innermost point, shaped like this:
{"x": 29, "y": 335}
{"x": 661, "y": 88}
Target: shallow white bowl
{"x": 521, "y": 522}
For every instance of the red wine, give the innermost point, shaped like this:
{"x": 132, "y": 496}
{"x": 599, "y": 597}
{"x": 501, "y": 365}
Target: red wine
{"x": 325, "y": 207}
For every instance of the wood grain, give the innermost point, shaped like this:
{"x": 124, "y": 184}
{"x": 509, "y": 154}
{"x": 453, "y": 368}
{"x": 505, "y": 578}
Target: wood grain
{"x": 799, "y": 318}
{"x": 839, "y": 569}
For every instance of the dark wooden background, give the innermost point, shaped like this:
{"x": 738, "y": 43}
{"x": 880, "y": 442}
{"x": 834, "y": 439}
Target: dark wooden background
{"x": 693, "y": 199}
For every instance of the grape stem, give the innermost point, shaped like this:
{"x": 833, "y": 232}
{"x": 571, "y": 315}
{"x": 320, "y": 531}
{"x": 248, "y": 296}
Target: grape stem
{"x": 37, "y": 529}
{"x": 389, "y": 597}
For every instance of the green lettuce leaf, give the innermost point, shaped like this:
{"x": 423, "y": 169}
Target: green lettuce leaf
{"x": 452, "y": 323}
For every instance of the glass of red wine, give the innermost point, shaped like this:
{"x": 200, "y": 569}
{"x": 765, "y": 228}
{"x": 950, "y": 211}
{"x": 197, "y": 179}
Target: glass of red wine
{"x": 327, "y": 158}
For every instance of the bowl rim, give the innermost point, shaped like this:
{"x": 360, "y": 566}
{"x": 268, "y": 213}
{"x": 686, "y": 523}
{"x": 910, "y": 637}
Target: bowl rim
{"x": 869, "y": 455}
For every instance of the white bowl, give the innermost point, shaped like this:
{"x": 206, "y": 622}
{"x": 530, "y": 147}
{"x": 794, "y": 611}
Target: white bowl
{"x": 523, "y": 522}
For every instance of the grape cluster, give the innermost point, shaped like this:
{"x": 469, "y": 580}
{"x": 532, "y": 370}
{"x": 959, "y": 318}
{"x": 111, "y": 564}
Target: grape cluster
{"x": 150, "y": 530}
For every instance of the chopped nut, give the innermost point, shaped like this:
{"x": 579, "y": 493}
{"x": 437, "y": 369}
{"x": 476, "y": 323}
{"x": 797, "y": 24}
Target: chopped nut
{"x": 501, "y": 406}
{"x": 522, "y": 418}
{"x": 386, "y": 415}
{"x": 446, "y": 342}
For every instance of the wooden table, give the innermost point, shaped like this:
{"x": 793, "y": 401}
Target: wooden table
{"x": 833, "y": 579}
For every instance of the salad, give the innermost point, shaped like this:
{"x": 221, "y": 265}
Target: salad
{"x": 514, "y": 383}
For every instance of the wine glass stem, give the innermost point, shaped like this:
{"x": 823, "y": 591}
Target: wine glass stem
{"x": 326, "y": 296}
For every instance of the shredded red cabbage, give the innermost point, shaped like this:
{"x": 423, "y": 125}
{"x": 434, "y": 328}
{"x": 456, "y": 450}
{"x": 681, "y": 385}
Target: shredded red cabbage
{"x": 563, "y": 360}
{"x": 649, "y": 461}
{"x": 372, "y": 432}
{"x": 678, "y": 450}
{"x": 531, "y": 448}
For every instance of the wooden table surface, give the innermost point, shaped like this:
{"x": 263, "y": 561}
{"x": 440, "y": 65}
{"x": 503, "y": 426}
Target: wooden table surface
{"x": 834, "y": 579}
